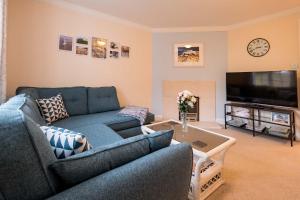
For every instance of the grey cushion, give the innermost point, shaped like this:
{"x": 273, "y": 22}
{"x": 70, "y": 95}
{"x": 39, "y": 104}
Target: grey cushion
{"x": 75, "y": 98}
{"x": 130, "y": 132}
{"x": 112, "y": 119}
{"x": 31, "y": 109}
{"x": 98, "y": 134}
{"x": 160, "y": 139}
{"x": 102, "y": 99}
{"x": 88, "y": 164}
{"x": 27, "y": 105}
{"x": 162, "y": 175}
{"x": 31, "y": 91}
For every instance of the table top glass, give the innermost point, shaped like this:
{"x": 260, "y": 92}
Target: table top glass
{"x": 201, "y": 140}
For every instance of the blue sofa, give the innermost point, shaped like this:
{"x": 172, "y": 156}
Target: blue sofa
{"x": 116, "y": 168}
{"x": 88, "y": 106}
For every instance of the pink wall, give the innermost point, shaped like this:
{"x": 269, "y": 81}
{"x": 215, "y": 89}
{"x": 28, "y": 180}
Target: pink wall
{"x": 34, "y": 59}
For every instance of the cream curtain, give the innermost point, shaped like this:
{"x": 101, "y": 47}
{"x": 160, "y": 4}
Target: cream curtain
{"x": 3, "y": 5}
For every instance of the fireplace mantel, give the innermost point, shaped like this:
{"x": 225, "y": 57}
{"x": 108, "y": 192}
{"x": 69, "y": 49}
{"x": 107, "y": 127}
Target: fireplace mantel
{"x": 205, "y": 90}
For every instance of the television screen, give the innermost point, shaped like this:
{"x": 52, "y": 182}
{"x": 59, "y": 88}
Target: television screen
{"x": 273, "y": 87}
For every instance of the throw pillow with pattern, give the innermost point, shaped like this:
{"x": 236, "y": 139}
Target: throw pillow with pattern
{"x": 139, "y": 113}
{"x": 65, "y": 142}
{"x": 52, "y": 109}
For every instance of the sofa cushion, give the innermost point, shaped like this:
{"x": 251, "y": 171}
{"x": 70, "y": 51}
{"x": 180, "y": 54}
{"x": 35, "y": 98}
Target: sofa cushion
{"x": 130, "y": 132}
{"x": 64, "y": 142}
{"x": 102, "y": 99}
{"x": 86, "y": 165}
{"x": 53, "y": 108}
{"x": 111, "y": 119}
{"x": 30, "y": 108}
{"x": 75, "y": 98}
{"x": 27, "y": 105}
{"x": 98, "y": 134}
{"x": 160, "y": 139}
{"x": 30, "y": 91}
{"x": 139, "y": 113}
{"x": 25, "y": 155}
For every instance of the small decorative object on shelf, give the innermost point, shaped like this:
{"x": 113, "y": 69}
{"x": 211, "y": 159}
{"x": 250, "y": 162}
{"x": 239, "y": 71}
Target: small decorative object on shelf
{"x": 185, "y": 99}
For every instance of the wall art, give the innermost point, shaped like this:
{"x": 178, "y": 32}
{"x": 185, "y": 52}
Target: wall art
{"x": 99, "y": 47}
{"x": 65, "y": 43}
{"x": 188, "y": 54}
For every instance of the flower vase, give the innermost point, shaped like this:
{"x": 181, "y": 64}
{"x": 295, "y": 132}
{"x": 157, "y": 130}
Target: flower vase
{"x": 184, "y": 121}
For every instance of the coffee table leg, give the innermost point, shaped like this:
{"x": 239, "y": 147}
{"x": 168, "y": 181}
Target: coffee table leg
{"x": 207, "y": 176}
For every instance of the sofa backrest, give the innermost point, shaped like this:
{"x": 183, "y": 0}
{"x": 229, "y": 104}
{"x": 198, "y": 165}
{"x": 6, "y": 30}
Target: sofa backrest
{"x": 79, "y": 100}
{"x": 75, "y": 98}
{"x": 102, "y": 99}
{"x": 25, "y": 156}
{"x": 26, "y": 104}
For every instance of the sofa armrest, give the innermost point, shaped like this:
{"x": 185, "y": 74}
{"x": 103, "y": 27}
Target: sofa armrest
{"x": 164, "y": 174}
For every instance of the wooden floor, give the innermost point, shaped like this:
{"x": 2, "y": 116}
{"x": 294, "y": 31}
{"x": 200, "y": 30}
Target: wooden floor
{"x": 259, "y": 168}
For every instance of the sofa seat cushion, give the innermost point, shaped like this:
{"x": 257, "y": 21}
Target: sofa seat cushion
{"x": 86, "y": 165}
{"x": 98, "y": 134}
{"x": 111, "y": 119}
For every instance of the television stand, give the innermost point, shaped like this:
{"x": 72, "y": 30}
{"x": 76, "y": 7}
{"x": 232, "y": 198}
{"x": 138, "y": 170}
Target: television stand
{"x": 261, "y": 119}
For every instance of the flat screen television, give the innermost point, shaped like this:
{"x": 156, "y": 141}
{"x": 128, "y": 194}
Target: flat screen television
{"x": 270, "y": 87}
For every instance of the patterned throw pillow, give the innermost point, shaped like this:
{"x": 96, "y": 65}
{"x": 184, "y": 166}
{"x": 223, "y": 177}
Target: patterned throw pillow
{"x": 65, "y": 142}
{"x": 136, "y": 112}
{"x": 52, "y": 109}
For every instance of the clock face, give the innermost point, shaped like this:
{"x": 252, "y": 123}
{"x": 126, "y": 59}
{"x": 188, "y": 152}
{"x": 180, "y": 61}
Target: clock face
{"x": 258, "y": 47}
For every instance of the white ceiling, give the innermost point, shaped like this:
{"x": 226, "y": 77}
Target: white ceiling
{"x": 188, "y": 13}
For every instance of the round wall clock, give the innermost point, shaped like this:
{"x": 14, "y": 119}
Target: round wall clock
{"x": 258, "y": 47}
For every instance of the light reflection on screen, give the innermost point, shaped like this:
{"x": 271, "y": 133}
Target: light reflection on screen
{"x": 278, "y": 79}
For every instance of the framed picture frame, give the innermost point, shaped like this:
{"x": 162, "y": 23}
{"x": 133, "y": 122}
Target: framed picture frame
{"x": 189, "y": 55}
{"x": 125, "y": 51}
{"x": 114, "y": 49}
{"x": 65, "y": 43}
{"x": 99, "y": 47}
{"x": 281, "y": 118}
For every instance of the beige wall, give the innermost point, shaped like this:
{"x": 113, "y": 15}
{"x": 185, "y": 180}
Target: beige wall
{"x": 282, "y": 33}
{"x": 34, "y": 59}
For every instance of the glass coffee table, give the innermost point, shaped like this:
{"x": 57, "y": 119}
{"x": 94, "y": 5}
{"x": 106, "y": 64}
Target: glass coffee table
{"x": 209, "y": 150}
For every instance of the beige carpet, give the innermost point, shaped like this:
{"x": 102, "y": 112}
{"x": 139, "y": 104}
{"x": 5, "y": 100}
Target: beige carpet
{"x": 260, "y": 167}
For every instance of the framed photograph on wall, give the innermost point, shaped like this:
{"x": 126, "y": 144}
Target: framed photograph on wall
{"x": 99, "y": 47}
{"x": 82, "y": 41}
{"x": 82, "y": 46}
{"x": 82, "y": 50}
{"x": 188, "y": 55}
{"x": 114, "y": 50}
{"x": 65, "y": 43}
{"x": 125, "y": 51}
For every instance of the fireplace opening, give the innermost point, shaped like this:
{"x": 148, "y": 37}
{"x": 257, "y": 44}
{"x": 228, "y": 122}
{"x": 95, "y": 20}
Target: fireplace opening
{"x": 192, "y": 114}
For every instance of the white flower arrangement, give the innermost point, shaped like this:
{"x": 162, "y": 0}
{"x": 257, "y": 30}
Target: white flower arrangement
{"x": 185, "y": 99}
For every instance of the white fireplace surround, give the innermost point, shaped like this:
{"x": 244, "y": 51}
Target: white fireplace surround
{"x": 204, "y": 89}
